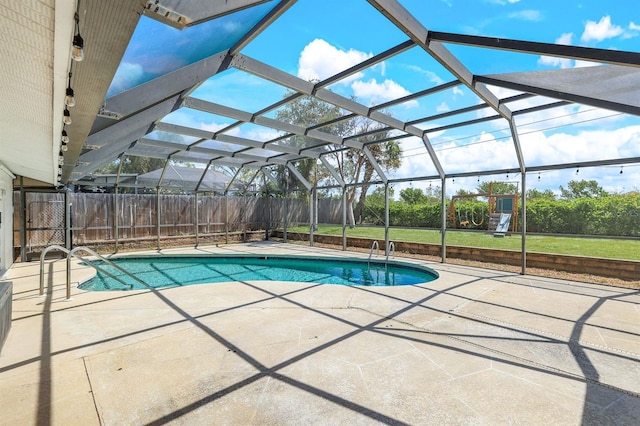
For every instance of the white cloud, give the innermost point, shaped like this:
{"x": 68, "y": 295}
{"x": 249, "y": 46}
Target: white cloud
{"x": 127, "y": 76}
{"x": 443, "y": 107}
{"x": 431, "y": 76}
{"x": 320, "y": 60}
{"x": 633, "y": 26}
{"x": 539, "y": 148}
{"x": 598, "y": 31}
{"x": 527, "y": 15}
{"x": 553, "y": 118}
{"x": 214, "y": 127}
{"x": 256, "y": 132}
{"x": 457, "y": 92}
{"x": 416, "y": 160}
{"x": 503, "y": 2}
{"x": 377, "y": 93}
{"x": 565, "y": 38}
{"x": 481, "y": 152}
{"x": 553, "y": 61}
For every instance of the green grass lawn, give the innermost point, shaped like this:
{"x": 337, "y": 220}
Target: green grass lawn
{"x": 594, "y": 247}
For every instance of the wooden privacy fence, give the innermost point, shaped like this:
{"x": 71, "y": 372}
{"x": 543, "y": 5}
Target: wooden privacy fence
{"x": 93, "y": 218}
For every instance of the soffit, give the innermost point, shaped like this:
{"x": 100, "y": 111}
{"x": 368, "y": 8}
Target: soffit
{"x": 27, "y": 77}
{"x": 35, "y": 41}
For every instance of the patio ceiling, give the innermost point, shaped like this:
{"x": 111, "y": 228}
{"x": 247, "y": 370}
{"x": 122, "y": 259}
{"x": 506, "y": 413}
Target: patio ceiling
{"x": 110, "y": 121}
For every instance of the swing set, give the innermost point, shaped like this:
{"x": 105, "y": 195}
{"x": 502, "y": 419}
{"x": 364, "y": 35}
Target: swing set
{"x": 464, "y": 217}
{"x": 465, "y": 221}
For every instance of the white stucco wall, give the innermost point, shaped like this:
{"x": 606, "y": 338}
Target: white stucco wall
{"x": 6, "y": 216}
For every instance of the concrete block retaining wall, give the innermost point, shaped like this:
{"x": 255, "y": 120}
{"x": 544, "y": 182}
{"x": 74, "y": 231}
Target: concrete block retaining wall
{"x": 613, "y": 268}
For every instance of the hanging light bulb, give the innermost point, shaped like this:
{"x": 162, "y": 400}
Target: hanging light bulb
{"x": 65, "y": 137}
{"x": 538, "y": 175}
{"x": 578, "y": 170}
{"x": 69, "y": 99}
{"x": 66, "y": 119}
{"x": 77, "y": 51}
{"x": 621, "y": 169}
{"x": 61, "y": 159}
{"x": 64, "y": 147}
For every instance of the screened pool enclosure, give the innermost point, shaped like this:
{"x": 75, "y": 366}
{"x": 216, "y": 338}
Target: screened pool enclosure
{"x": 265, "y": 121}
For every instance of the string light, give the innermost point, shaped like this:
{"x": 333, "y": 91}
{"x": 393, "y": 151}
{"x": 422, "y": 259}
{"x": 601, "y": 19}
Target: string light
{"x": 69, "y": 99}
{"x": 66, "y": 119}
{"x": 77, "y": 51}
{"x": 621, "y": 169}
{"x": 538, "y": 175}
{"x": 64, "y": 140}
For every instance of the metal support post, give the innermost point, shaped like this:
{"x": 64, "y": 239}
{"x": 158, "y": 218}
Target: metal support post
{"x": 344, "y": 218}
{"x": 115, "y": 216}
{"x": 67, "y": 221}
{"x": 443, "y": 225}
{"x": 311, "y": 214}
{"x": 386, "y": 218}
{"x": 523, "y": 221}
{"x": 226, "y": 218}
{"x": 158, "y": 216}
{"x": 197, "y": 216}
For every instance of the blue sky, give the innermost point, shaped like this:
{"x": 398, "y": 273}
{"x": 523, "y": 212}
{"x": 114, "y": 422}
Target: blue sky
{"x": 316, "y": 39}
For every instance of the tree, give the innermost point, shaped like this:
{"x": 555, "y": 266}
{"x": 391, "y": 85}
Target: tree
{"x": 355, "y": 167}
{"x": 377, "y": 196}
{"x": 351, "y": 164}
{"x": 534, "y": 194}
{"x": 582, "y": 189}
{"x": 463, "y": 191}
{"x": 133, "y": 164}
{"x": 433, "y": 194}
{"x": 495, "y": 187}
{"x": 413, "y": 196}
{"x": 307, "y": 111}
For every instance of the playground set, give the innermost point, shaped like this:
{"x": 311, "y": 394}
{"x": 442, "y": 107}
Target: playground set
{"x": 502, "y": 214}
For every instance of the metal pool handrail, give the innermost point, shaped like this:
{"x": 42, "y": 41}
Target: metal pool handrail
{"x": 44, "y": 252}
{"x": 72, "y": 253}
{"x": 105, "y": 260}
{"x": 377, "y": 246}
{"x": 391, "y": 248}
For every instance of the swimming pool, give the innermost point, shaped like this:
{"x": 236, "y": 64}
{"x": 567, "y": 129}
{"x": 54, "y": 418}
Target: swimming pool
{"x": 163, "y": 271}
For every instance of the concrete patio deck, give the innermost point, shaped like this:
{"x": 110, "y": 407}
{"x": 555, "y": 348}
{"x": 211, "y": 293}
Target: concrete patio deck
{"x": 473, "y": 347}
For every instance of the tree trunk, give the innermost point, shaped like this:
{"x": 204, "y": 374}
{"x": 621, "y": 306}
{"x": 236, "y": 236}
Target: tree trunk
{"x": 352, "y": 220}
{"x": 351, "y": 195}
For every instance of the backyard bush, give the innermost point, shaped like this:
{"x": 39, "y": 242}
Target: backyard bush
{"x": 614, "y": 215}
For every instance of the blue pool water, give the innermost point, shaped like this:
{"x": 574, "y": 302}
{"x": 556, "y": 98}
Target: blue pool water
{"x": 161, "y": 272}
